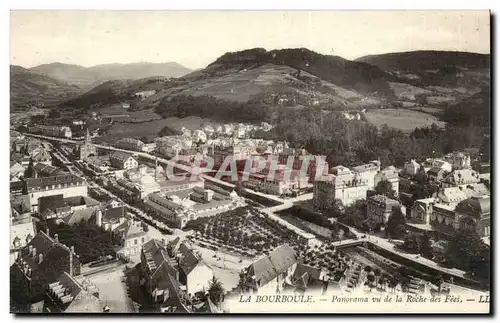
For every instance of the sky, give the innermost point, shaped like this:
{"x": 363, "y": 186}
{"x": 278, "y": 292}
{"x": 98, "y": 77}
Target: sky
{"x": 196, "y": 38}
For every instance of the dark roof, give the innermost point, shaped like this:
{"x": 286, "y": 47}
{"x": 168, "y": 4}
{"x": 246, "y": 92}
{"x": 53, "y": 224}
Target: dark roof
{"x": 475, "y": 206}
{"x": 21, "y": 204}
{"x": 189, "y": 259}
{"x": 53, "y": 180}
{"x": 114, "y": 214}
{"x": 312, "y": 272}
{"x": 269, "y": 267}
{"x": 47, "y": 170}
{"x": 51, "y": 203}
{"x": 119, "y": 157}
{"x": 80, "y": 215}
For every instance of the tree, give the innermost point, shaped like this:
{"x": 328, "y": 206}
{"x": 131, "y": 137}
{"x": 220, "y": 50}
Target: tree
{"x": 215, "y": 290}
{"x": 425, "y": 247}
{"x": 468, "y": 252}
{"x": 385, "y": 188}
{"x": 396, "y": 223}
{"x": 370, "y": 281}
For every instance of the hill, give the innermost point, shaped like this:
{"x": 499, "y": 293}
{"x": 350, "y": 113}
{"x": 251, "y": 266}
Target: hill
{"x": 94, "y": 75}
{"x": 28, "y": 89}
{"x": 247, "y": 83}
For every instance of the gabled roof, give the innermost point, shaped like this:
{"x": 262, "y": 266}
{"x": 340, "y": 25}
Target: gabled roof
{"x": 189, "y": 259}
{"x": 269, "y": 267}
{"x": 51, "y": 203}
{"x": 53, "y": 180}
{"x": 113, "y": 214}
{"x": 119, "y": 157}
{"x": 80, "y": 215}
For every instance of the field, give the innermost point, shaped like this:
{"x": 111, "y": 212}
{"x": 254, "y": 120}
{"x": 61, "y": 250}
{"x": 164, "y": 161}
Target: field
{"x": 402, "y": 119}
{"x": 151, "y": 129}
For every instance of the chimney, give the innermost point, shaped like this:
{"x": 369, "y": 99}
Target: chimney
{"x": 99, "y": 218}
{"x": 40, "y": 258}
{"x": 56, "y": 237}
{"x": 71, "y": 252}
{"x": 30, "y": 250}
{"x": 48, "y": 232}
{"x": 34, "y": 252}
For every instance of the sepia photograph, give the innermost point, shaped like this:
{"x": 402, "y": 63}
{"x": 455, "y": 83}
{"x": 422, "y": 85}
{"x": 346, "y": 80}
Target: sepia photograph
{"x": 222, "y": 162}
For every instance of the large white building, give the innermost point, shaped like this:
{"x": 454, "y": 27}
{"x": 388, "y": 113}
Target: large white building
{"x": 67, "y": 185}
{"x": 342, "y": 185}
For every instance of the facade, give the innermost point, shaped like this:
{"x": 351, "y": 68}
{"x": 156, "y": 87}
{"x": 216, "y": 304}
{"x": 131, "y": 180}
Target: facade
{"x": 121, "y": 160}
{"x": 379, "y": 208}
{"x": 67, "y": 185}
{"x": 411, "y": 168}
{"x": 270, "y": 273}
{"x": 342, "y": 186}
{"x": 44, "y": 170}
{"x": 282, "y": 182}
{"x": 367, "y": 172}
{"x": 129, "y": 144}
{"x": 132, "y": 237}
{"x": 462, "y": 178}
{"x": 52, "y": 131}
{"x": 144, "y": 94}
{"x": 474, "y": 214}
{"x": 194, "y": 273}
{"x": 459, "y": 160}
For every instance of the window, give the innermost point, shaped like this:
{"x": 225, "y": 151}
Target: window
{"x": 135, "y": 241}
{"x": 142, "y": 240}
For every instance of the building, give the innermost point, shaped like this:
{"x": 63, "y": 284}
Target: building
{"x": 120, "y": 160}
{"x": 194, "y": 273}
{"x": 161, "y": 279}
{"x": 270, "y": 273}
{"x": 85, "y": 148}
{"x": 16, "y": 171}
{"x": 342, "y": 186}
{"x": 70, "y": 210}
{"x": 149, "y": 148}
{"x": 296, "y": 157}
{"x": 67, "y": 185}
{"x": 462, "y": 178}
{"x": 391, "y": 175}
{"x": 129, "y": 144}
{"x": 170, "y": 146}
{"x": 44, "y": 170}
{"x": 52, "y": 131}
{"x": 125, "y": 105}
{"x": 135, "y": 184}
{"x": 439, "y": 163}
{"x": 111, "y": 218}
{"x": 68, "y": 295}
{"x": 132, "y": 237}
{"x": 283, "y": 181}
{"x": 22, "y": 226}
{"x": 144, "y": 94}
{"x": 379, "y": 208}
{"x": 367, "y": 172}
{"x": 179, "y": 207}
{"x": 40, "y": 263}
{"x": 436, "y": 174}
{"x": 411, "y": 168}
{"x": 474, "y": 214}
{"x": 459, "y": 160}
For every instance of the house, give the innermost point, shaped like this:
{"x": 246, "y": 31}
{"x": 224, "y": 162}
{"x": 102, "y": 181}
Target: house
{"x": 16, "y": 171}
{"x": 68, "y": 185}
{"x": 40, "y": 263}
{"x": 283, "y": 181}
{"x": 129, "y": 144}
{"x": 85, "y": 149}
{"x": 310, "y": 279}
{"x": 178, "y": 207}
{"x": 462, "y": 178}
{"x": 132, "y": 237}
{"x": 22, "y": 226}
{"x": 149, "y": 147}
{"x": 194, "y": 273}
{"x": 71, "y": 210}
{"x": 111, "y": 218}
{"x": 459, "y": 160}
{"x": 342, "y": 185}
{"x": 367, "y": 172}
{"x": 391, "y": 175}
{"x": 161, "y": 279}
{"x": 436, "y": 174}
{"x": 438, "y": 163}
{"x": 40, "y": 156}
{"x": 44, "y": 170}
{"x": 411, "y": 168}
{"x": 379, "y": 208}
{"x": 120, "y": 160}
{"x": 270, "y": 273}
{"x": 68, "y": 295}
{"x": 144, "y": 94}
{"x": 125, "y": 105}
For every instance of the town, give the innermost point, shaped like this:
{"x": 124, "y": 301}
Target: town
{"x": 91, "y": 222}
